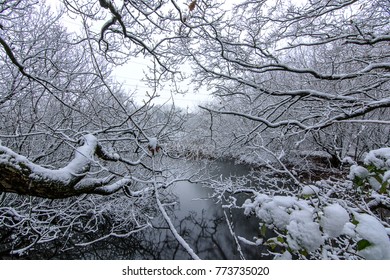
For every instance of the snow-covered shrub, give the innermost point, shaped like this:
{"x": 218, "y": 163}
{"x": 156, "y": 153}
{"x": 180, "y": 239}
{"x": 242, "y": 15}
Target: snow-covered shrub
{"x": 306, "y": 229}
{"x": 375, "y": 174}
{"x": 344, "y": 218}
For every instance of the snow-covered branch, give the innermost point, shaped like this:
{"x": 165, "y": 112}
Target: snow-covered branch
{"x": 19, "y": 175}
{"x": 178, "y": 237}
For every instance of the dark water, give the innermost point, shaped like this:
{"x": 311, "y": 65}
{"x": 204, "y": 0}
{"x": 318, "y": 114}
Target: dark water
{"x": 203, "y": 222}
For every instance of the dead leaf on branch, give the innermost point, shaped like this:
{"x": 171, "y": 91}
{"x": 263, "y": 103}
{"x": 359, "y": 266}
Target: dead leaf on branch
{"x": 192, "y": 5}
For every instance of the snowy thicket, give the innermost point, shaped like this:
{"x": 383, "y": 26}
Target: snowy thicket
{"x": 333, "y": 219}
{"x": 77, "y": 151}
{"x": 301, "y": 89}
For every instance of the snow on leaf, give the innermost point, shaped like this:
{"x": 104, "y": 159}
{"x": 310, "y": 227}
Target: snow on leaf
{"x": 285, "y": 201}
{"x": 349, "y": 229}
{"x": 334, "y": 219}
{"x": 380, "y": 158}
{"x": 248, "y": 206}
{"x": 271, "y": 213}
{"x": 309, "y": 190}
{"x": 303, "y": 232}
{"x": 374, "y": 183}
{"x": 386, "y": 176}
{"x": 348, "y": 160}
{"x": 273, "y": 210}
{"x": 370, "y": 229}
{"x": 357, "y": 171}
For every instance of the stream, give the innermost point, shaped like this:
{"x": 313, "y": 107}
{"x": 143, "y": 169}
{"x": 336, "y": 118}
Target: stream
{"x": 202, "y": 222}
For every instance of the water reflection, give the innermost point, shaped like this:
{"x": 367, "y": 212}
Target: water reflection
{"x": 202, "y": 222}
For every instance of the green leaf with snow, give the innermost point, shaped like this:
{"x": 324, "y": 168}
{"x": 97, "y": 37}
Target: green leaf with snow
{"x": 383, "y": 188}
{"x": 303, "y": 252}
{"x": 354, "y": 221}
{"x": 263, "y": 230}
{"x": 271, "y": 242}
{"x": 359, "y": 182}
{"x": 362, "y": 244}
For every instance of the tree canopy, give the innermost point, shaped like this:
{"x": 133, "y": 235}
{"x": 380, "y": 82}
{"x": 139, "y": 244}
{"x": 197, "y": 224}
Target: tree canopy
{"x": 300, "y": 89}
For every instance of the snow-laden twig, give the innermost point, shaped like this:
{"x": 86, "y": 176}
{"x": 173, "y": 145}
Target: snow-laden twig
{"x": 234, "y": 236}
{"x": 178, "y": 237}
{"x": 168, "y": 220}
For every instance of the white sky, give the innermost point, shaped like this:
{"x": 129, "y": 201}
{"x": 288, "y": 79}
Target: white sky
{"x": 132, "y": 73}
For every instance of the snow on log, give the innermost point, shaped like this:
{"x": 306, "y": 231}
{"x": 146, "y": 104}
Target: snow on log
{"x": 19, "y": 175}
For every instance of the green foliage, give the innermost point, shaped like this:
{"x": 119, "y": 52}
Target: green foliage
{"x": 263, "y": 230}
{"x": 354, "y": 221}
{"x": 362, "y": 244}
{"x": 374, "y": 181}
{"x": 275, "y": 242}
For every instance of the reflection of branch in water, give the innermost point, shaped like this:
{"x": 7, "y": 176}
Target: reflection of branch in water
{"x": 114, "y": 234}
{"x": 201, "y": 233}
{"x": 208, "y": 230}
{"x": 208, "y": 234}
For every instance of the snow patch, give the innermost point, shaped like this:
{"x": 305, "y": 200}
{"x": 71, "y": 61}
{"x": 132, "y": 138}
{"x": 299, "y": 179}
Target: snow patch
{"x": 303, "y": 232}
{"x": 334, "y": 219}
{"x": 310, "y": 190}
{"x": 285, "y": 201}
{"x": 348, "y": 160}
{"x": 380, "y": 158}
{"x": 285, "y": 256}
{"x": 152, "y": 142}
{"x": 358, "y": 171}
{"x": 272, "y": 213}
